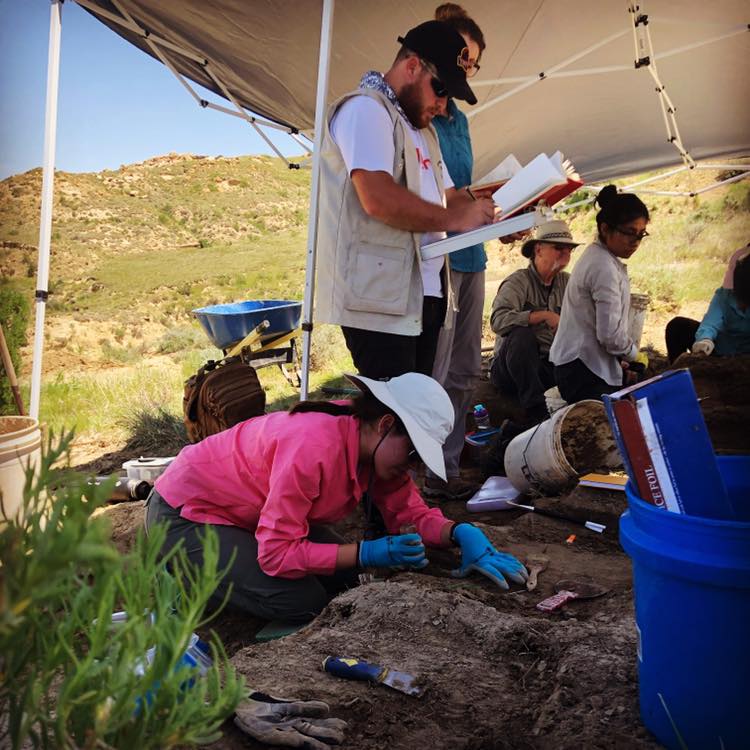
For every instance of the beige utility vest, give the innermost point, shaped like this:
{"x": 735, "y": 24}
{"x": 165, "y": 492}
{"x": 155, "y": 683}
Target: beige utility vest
{"x": 369, "y": 273}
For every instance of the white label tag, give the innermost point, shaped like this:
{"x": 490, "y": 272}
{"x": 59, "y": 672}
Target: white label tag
{"x": 638, "y": 644}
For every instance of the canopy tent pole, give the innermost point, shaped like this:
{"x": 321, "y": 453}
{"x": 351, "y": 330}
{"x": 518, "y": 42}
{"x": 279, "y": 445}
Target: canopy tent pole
{"x": 45, "y": 221}
{"x": 324, "y": 59}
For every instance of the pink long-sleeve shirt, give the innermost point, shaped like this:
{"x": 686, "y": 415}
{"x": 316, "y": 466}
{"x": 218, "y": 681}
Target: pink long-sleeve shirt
{"x": 279, "y": 473}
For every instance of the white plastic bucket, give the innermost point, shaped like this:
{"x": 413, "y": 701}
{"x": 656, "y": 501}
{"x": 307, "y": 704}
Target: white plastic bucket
{"x": 637, "y": 316}
{"x": 147, "y": 469}
{"x": 20, "y": 448}
{"x": 549, "y": 457}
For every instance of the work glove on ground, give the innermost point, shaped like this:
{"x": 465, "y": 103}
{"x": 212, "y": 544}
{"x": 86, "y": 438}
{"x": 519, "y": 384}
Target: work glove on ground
{"x": 393, "y": 551}
{"x": 477, "y": 553}
{"x": 289, "y": 722}
{"x": 703, "y": 346}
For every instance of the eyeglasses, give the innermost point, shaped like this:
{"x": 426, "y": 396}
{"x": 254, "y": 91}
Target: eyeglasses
{"x": 437, "y": 85}
{"x": 413, "y": 456}
{"x": 631, "y": 235}
{"x": 471, "y": 67}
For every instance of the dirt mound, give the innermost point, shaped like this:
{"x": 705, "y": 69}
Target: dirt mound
{"x": 499, "y": 673}
{"x": 494, "y": 680}
{"x": 722, "y": 385}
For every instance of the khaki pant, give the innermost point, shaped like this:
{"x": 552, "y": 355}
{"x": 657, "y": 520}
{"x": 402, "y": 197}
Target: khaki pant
{"x": 458, "y": 362}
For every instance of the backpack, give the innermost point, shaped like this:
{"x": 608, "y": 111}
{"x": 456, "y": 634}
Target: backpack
{"x": 220, "y": 395}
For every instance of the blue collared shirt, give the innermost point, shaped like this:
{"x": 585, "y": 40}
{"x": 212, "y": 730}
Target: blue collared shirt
{"x": 455, "y": 144}
{"x": 726, "y": 324}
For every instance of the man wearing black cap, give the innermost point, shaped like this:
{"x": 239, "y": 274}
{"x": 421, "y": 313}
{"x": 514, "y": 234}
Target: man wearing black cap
{"x": 384, "y": 193}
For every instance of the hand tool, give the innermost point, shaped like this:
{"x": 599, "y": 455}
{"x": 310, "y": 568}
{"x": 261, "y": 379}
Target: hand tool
{"x": 357, "y": 669}
{"x": 535, "y": 564}
{"x": 597, "y": 527}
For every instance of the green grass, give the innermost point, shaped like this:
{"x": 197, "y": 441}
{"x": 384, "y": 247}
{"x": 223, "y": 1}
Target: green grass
{"x": 100, "y": 402}
{"x": 104, "y": 402}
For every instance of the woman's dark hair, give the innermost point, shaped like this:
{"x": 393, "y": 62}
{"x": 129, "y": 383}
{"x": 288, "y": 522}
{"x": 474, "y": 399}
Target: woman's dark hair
{"x": 618, "y": 208}
{"x": 741, "y": 280}
{"x": 456, "y": 17}
{"x": 364, "y": 406}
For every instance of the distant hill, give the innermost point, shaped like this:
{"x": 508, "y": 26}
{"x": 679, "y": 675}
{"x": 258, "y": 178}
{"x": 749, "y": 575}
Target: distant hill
{"x": 134, "y": 232}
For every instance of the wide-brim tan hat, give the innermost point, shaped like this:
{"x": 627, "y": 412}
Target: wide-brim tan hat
{"x": 556, "y": 231}
{"x": 424, "y": 407}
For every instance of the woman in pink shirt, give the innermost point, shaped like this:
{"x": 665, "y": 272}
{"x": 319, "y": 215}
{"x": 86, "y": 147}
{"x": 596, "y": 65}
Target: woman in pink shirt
{"x": 270, "y": 486}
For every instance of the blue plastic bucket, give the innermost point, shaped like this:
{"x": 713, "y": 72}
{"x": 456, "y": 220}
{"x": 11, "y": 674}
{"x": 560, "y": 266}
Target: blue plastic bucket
{"x": 691, "y": 580}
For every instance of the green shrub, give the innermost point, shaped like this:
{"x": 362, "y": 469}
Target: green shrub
{"x": 71, "y": 678}
{"x": 14, "y": 316}
{"x": 180, "y": 339}
{"x": 155, "y": 432}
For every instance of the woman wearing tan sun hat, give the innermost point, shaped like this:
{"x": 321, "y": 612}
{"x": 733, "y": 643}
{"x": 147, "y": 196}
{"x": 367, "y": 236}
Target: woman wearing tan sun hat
{"x": 271, "y": 487}
{"x": 525, "y": 316}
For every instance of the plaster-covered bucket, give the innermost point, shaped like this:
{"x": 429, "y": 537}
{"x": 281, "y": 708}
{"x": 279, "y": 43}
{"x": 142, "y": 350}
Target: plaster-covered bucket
{"x": 550, "y": 457}
{"x": 20, "y": 447}
{"x": 637, "y": 316}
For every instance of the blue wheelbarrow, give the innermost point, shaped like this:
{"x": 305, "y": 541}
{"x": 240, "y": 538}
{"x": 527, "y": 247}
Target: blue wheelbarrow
{"x": 264, "y": 331}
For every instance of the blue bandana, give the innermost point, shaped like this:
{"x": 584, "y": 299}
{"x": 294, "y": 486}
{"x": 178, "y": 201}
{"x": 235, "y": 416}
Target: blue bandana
{"x": 374, "y": 80}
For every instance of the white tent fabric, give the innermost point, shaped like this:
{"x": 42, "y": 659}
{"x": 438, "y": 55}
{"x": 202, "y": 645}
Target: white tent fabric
{"x": 557, "y": 74}
{"x": 608, "y": 123}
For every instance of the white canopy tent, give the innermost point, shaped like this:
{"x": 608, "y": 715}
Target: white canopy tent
{"x": 619, "y": 86}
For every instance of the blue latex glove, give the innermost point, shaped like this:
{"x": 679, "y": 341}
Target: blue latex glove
{"x": 392, "y": 551}
{"x": 477, "y": 553}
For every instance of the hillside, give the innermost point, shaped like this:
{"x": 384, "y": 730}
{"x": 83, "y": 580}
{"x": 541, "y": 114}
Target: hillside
{"x": 135, "y": 249}
{"x": 147, "y": 230}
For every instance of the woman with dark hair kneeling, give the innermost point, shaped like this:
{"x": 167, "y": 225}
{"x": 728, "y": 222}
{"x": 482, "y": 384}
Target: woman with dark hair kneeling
{"x": 270, "y": 485}
{"x": 592, "y": 350}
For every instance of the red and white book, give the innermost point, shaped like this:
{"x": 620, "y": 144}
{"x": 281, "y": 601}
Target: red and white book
{"x": 544, "y": 178}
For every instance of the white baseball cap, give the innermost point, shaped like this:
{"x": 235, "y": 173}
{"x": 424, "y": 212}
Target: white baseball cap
{"x": 424, "y": 407}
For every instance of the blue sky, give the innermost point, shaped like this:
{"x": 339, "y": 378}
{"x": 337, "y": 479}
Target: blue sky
{"x": 116, "y": 105}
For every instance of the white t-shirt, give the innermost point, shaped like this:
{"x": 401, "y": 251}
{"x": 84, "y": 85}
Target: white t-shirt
{"x": 363, "y": 131}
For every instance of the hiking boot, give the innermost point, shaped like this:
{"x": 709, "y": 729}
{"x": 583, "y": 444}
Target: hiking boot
{"x": 454, "y": 489}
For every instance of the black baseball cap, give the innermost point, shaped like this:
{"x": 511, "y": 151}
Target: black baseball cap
{"x": 440, "y": 44}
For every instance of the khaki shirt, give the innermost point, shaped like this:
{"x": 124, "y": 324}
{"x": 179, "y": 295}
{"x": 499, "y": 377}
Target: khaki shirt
{"x": 521, "y": 294}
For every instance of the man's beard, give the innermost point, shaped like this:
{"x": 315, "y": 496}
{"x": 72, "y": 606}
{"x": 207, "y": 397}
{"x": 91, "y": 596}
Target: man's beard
{"x": 412, "y": 103}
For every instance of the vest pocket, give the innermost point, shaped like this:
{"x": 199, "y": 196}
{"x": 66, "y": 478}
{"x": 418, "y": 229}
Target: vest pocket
{"x": 379, "y": 279}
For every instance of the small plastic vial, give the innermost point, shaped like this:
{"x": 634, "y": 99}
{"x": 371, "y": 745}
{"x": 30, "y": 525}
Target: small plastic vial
{"x": 481, "y": 417}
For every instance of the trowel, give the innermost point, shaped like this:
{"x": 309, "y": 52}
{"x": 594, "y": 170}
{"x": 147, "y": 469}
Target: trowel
{"x": 357, "y": 669}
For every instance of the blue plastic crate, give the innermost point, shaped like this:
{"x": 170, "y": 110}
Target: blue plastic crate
{"x": 227, "y": 324}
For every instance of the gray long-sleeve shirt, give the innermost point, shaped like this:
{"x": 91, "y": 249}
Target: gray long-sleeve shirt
{"x": 594, "y": 319}
{"x": 521, "y": 294}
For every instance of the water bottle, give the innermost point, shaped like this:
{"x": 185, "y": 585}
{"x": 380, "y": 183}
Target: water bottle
{"x": 481, "y": 417}
{"x": 197, "y": 655}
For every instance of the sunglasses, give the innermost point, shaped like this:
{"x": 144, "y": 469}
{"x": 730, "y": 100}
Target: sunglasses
{"x": 437, "y": 85}
{"x": 413, "y": 456}
{"x": 471, "y": 67}
{"x": 632, "y": 235}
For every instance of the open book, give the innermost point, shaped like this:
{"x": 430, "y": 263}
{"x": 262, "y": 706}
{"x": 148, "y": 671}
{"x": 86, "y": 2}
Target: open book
{"x": 544, "y": 178}
{"x": 498, "y": 176}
